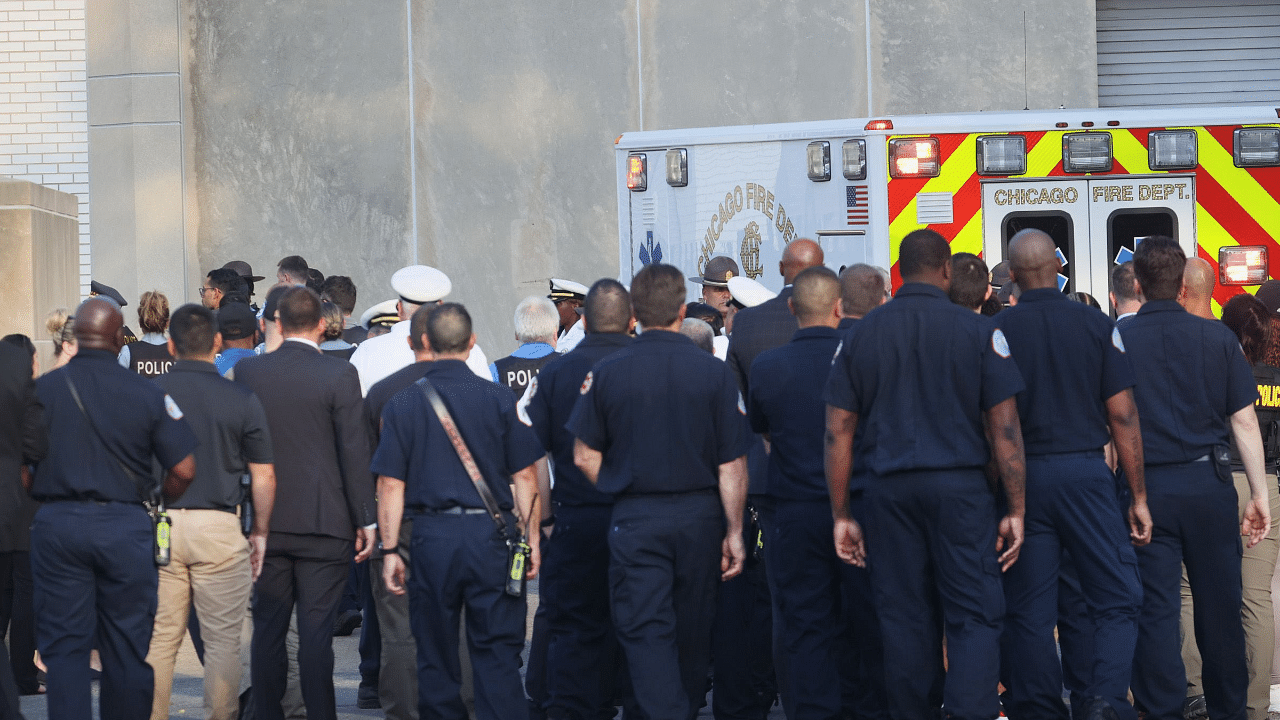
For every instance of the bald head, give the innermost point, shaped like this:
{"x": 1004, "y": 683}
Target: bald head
{"x": 862, "y": 289}
{"x": 99, "y": 325}
{"x": 1197, "y": 287}
{"x": 799, "y": 256}
{"x": 1033, "y": 263}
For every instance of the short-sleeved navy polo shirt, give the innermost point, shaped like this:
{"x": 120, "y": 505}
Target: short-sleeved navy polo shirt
{"x": 1072, "y": 359}
{"x": 919, "y": 372}
{"x": 665, "y": 414}
{"x": 414, "y": 447}
{"x": 133, "y": 416}
{"x": 548, "y": 404}
{"x": 1191, "y": 377}
{"x": 786, "y": 402}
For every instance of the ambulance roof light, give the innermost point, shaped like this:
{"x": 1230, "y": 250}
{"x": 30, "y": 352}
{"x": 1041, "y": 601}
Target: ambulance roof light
{"x": 1113, "y": 123}
{"x": 1172, "y": 150}
{"x": 853, "y": 155}
{"x": 1002, "y": 155}
{"x": 879, "y": 125}
{"x": 1086, "y": 152}
{"x": 1257, "y": 146}
{"x": 637, "y": 172}
{"x": 819, "y": 156}
{"x": 678, "y": 167}
{"x": 914, "y": 158}
{"x": 1087, "y": 123}
{"x": 1242, "y": 265}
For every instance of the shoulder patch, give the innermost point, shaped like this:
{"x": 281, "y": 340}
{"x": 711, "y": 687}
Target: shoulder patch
{"x": 999, "y": 343}
{"x": 172, "y": 408}
{"x": 838, "y": 349}
{"x": 586, "y": 383}
{"x": 1116, "y": 340}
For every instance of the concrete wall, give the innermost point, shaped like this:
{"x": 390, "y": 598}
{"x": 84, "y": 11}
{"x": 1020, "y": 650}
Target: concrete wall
{"x": 478, "y": 136}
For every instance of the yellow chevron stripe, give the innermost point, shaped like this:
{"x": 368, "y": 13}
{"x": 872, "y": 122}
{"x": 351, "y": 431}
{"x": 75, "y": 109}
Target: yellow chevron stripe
{"x": 1252, "y": 197}
{"x": 1209, "y": 232}
{"x": 955, "y": 172}
{"x": 969, "y": 239}
{"x": 1126, "y": 149}
{"x": 1045, "y": 156}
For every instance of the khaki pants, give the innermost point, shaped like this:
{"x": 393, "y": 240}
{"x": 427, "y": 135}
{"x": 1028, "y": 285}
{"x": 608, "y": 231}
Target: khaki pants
{"x": 1257, "y": 569}
{"x": 209, "y": 566}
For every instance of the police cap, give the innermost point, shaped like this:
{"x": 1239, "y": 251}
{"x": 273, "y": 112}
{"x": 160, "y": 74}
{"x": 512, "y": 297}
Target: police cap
{"x": 97, "y": 288}
{"x": 244, "y": 270}
{"x": 717, "y": 272}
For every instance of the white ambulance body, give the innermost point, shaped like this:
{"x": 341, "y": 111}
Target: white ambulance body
{"x": 1097, "y": 180}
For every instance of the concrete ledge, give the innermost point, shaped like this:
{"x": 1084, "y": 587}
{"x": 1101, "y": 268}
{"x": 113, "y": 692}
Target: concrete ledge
{"x": 20, "y": 193}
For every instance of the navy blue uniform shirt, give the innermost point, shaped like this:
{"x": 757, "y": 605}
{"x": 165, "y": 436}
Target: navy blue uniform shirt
{"x": 1192, "y": 376}
{"x": 1072, "y": 359}
{"x": 666, "y": 415}
{"x": 549, "y": 403}
{"x": 919, "y": 372}
{"x": 786, "y": 402}
{"x": 415, "y": 449}
{"x": 135, "y": 418}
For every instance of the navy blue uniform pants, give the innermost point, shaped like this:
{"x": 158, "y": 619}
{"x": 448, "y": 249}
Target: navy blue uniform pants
{"x": 663, "y": 574}
{"x": 461, "y": 561}
{"x": 309, "y": 571}
{"x": 831, "y": 640}
{"x": 582, "y": 653}
{"x": 1196, "y": 523}
{"x": 95, "y": 585}
{"x": 1076, "y": 635}
{"x": 1071, "y": 506}
{"x": 742, "y": 637}
{"x": 931, "y": 541}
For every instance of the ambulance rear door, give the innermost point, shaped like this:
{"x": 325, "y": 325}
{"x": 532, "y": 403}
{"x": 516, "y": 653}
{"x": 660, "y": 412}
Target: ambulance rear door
{"x": 1059, "y": 207}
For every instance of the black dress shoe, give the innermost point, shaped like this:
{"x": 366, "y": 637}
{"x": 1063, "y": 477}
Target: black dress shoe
{"x": 347, "y": 622}
{"x": 1195, "y": 708}
{"x": 1099, "y": 709}
{"x": 367, "y": 697}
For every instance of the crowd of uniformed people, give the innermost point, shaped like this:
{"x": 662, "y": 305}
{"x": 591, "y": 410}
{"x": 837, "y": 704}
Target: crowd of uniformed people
{"x": 981, "y": 497}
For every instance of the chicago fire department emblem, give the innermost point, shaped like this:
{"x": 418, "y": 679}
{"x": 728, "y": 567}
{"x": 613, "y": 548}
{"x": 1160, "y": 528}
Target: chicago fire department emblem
{"x": 750, "y": 251}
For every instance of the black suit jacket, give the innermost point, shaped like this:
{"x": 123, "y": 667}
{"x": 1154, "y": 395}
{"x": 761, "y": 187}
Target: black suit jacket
{"x": 22, "y": 440}
{"x": 318, "y": 437}
{"x": 763, "y": 327}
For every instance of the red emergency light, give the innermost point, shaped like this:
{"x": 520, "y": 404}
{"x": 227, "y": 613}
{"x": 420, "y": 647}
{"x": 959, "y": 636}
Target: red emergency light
{"x": 1242, "y": 265}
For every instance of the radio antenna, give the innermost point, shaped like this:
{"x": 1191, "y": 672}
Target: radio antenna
{"x": 1026, "y": 95}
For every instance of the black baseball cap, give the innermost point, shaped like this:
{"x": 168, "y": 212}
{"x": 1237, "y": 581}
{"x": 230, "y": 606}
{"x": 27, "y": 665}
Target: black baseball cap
{"x": 237, "y": 321}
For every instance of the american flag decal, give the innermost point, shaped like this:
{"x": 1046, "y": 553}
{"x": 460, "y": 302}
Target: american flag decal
{"x": 856, "y": 201}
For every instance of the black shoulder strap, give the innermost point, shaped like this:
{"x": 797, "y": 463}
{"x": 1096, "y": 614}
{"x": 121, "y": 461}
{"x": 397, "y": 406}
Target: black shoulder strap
{"x": 147, "y": 490}
{"x": 464, "y": 454}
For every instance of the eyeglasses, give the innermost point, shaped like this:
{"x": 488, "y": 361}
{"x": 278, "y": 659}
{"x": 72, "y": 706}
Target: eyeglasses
{"x": 204, "y": 290}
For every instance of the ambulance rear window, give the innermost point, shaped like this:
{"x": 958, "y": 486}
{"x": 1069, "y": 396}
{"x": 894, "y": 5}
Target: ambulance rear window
{"x": 1123, "y": 226}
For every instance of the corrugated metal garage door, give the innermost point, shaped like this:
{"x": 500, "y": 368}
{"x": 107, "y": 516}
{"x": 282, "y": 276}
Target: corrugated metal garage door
{"x": 1188, "y": 52}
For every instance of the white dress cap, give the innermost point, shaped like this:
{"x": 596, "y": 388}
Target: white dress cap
{"x": 420, "y": 284}
{"x": 749, "y": 292}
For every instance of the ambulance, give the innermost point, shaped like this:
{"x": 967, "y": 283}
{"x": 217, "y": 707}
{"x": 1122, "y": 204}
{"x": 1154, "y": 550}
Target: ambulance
{"x": 1097, "y": 181}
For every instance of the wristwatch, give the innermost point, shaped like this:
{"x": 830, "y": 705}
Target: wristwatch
{"x": 384, "y": 549}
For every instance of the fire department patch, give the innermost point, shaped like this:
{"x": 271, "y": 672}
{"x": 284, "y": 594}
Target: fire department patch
{"x": 999, "y": 343}
{"x": 172, "y": 408}
{"x": 586, "y": 383}
{"x": 1115, "y": 339}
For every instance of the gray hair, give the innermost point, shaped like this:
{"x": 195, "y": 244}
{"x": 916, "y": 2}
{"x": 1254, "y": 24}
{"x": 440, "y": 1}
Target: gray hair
{"x": 536, "y": 320}
{"x": 700, "y": 333}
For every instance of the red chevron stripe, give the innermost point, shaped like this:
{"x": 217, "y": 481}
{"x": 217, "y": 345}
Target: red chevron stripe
{"x": 903, "y": 190}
